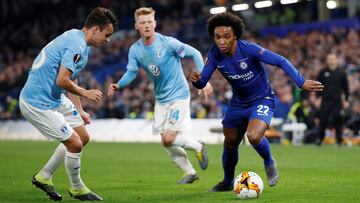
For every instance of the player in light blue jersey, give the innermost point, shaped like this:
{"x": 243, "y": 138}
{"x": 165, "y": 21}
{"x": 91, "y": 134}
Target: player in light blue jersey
{"x": 43, "y": 103}
{"x": 252, "y": 104}
{"x": 160, "y": 57}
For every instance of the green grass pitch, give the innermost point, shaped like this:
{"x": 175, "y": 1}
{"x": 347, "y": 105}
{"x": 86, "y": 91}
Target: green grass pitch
{"x": 128, "y": 172}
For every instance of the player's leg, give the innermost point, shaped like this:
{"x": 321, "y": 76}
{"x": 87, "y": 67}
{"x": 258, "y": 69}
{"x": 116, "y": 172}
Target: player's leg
{"x": 255, "y": 134}
{"x": 186, "y": 142}
{"x": 260, "y": 118}
{"x": 232, "y": 140}
{"x": 73, "y": 119}
{"x": 179, "y": 157}
{"x": 53, "y": 163}
{"x": 178, "y": 115}
{"x": 74, "y": 144}
{"x": 53, "y": 126}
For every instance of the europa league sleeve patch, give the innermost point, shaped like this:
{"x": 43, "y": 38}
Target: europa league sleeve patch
{"x": 76, "y": 58}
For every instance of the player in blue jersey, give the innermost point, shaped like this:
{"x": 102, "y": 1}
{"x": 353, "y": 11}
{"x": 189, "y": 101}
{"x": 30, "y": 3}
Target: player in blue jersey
{"x": 252, "y": 104}
{"x": 43, "y": 103}
{"x": 160, "y": 56}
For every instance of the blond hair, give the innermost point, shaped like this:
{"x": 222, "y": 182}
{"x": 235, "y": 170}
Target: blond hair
{"x": 144, "y": 11}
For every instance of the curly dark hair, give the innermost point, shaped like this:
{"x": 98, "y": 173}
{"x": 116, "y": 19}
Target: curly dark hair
{"x": 226, "y": 19}
{"x": 101, "y": 17}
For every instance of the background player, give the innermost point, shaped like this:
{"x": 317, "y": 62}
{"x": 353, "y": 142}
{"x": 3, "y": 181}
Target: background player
{"x": 43, "y": 103}
{"x": 252, "y": 105}
{"x": 159, "y": 56}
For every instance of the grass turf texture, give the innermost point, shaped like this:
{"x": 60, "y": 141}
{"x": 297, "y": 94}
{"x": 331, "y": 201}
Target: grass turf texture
{"x": 127, "y": 172}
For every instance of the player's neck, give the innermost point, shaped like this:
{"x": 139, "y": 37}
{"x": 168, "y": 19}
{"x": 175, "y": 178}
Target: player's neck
{"x": 232, "y": 50}
{"x": 148, "y": 40}
{"x": 85, "y": 30}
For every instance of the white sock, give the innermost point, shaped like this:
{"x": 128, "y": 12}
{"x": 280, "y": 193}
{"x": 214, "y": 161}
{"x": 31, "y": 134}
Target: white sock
{"x": 54, "y": 162}
{"x": 187, "y": 142}
{"x": 178, "y": 156}
{"x": 72, "y": 165}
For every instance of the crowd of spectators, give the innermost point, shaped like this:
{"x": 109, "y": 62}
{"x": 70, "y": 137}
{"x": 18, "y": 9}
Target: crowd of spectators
{"x": 20, "y": 44}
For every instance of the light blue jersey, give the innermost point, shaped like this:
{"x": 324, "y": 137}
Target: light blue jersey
{"x": 69, "y": 49}
{"x": 161, "y": 62}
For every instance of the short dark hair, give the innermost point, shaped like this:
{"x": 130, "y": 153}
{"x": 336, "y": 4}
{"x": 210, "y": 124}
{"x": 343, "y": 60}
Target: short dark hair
{"x": 226, "y": 19}
{"x": 100, "y": 17}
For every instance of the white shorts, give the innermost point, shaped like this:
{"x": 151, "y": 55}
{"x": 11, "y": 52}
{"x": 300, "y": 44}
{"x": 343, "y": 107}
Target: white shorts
{"x": 173, "y": 116}
{"x": 57, "y": 123}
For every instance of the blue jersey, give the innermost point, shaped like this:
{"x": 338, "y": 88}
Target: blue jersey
{"x": 69, "y": 49}
{"x": 162, "y": 64}
{"x": 245, "y": 72}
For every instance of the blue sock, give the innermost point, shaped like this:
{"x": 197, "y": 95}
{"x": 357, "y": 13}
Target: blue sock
{"x": 263, "y": 149}
{"x": 229, "y": 161}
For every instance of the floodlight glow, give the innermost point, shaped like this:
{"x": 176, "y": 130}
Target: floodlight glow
{"x": 240, "y": 7}
{"x": 217, "y": 10}
{"x": 288, "y": 1}
{"x": 263, "y": 4}
{"x": 331, "y": 4}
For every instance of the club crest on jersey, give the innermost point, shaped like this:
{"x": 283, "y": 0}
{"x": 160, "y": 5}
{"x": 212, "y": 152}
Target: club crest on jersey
{"x": 154, "y": 69}
{"x": 76, "y": 58}
{"x": 243, "y": 65}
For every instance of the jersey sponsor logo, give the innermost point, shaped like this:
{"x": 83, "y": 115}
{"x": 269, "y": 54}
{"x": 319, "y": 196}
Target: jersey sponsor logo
{"x": 154, "y": 69}
{"x": 220, "y": 66}
{"x": 244, "y": 77}
{"x": 76, "y": 58}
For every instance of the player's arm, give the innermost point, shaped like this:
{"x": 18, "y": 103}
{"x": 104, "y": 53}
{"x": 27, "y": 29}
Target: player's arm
{"x": 63, "y": 80}
{"x": 77, "y": 102}
{"x": 274, "y": 59}
{"x": 125, "y": 80}
{"x": 197, "y": 57}
{"x": 199, "y": 80}
{"x": 129, "y": 76}
{"x": 187, "y": 51}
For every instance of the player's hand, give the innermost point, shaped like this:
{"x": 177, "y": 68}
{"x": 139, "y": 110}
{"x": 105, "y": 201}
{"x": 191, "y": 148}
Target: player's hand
{"x": 313, "y": 86}
{"x": 85, "y": 117}
{"x": 112, "y": 89}
{"x": 94, "y": 95}
{"x": 195, "y": 76}
{"x": 207, "y": 91}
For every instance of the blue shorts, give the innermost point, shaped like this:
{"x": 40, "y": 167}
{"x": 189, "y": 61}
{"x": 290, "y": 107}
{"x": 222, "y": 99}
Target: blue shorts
{"x": 239, "y": 116}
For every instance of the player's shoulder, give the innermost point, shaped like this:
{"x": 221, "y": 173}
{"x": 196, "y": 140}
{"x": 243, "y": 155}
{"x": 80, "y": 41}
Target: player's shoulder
{"x": 168, "y": 40}
{"x": 245, "y": 43}
{"x": 73, "y": 38}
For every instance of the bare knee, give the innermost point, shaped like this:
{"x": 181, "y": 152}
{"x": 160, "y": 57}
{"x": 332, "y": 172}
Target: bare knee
{"x": 167, "y": 138}
{"x": 254, "y": 137}
{"x": 85, "y": 139}
{"x": 74, "y": 144}
{"x": 83, "y": 134}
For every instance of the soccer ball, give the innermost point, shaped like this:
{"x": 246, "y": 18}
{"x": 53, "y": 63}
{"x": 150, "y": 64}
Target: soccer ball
{"x": 248, "y": 185}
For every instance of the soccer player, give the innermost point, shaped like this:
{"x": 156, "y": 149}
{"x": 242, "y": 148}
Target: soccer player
{"x": 252, "y": 105}
{"x": 44, "y": 105}
{"x": 160, "y": 56}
